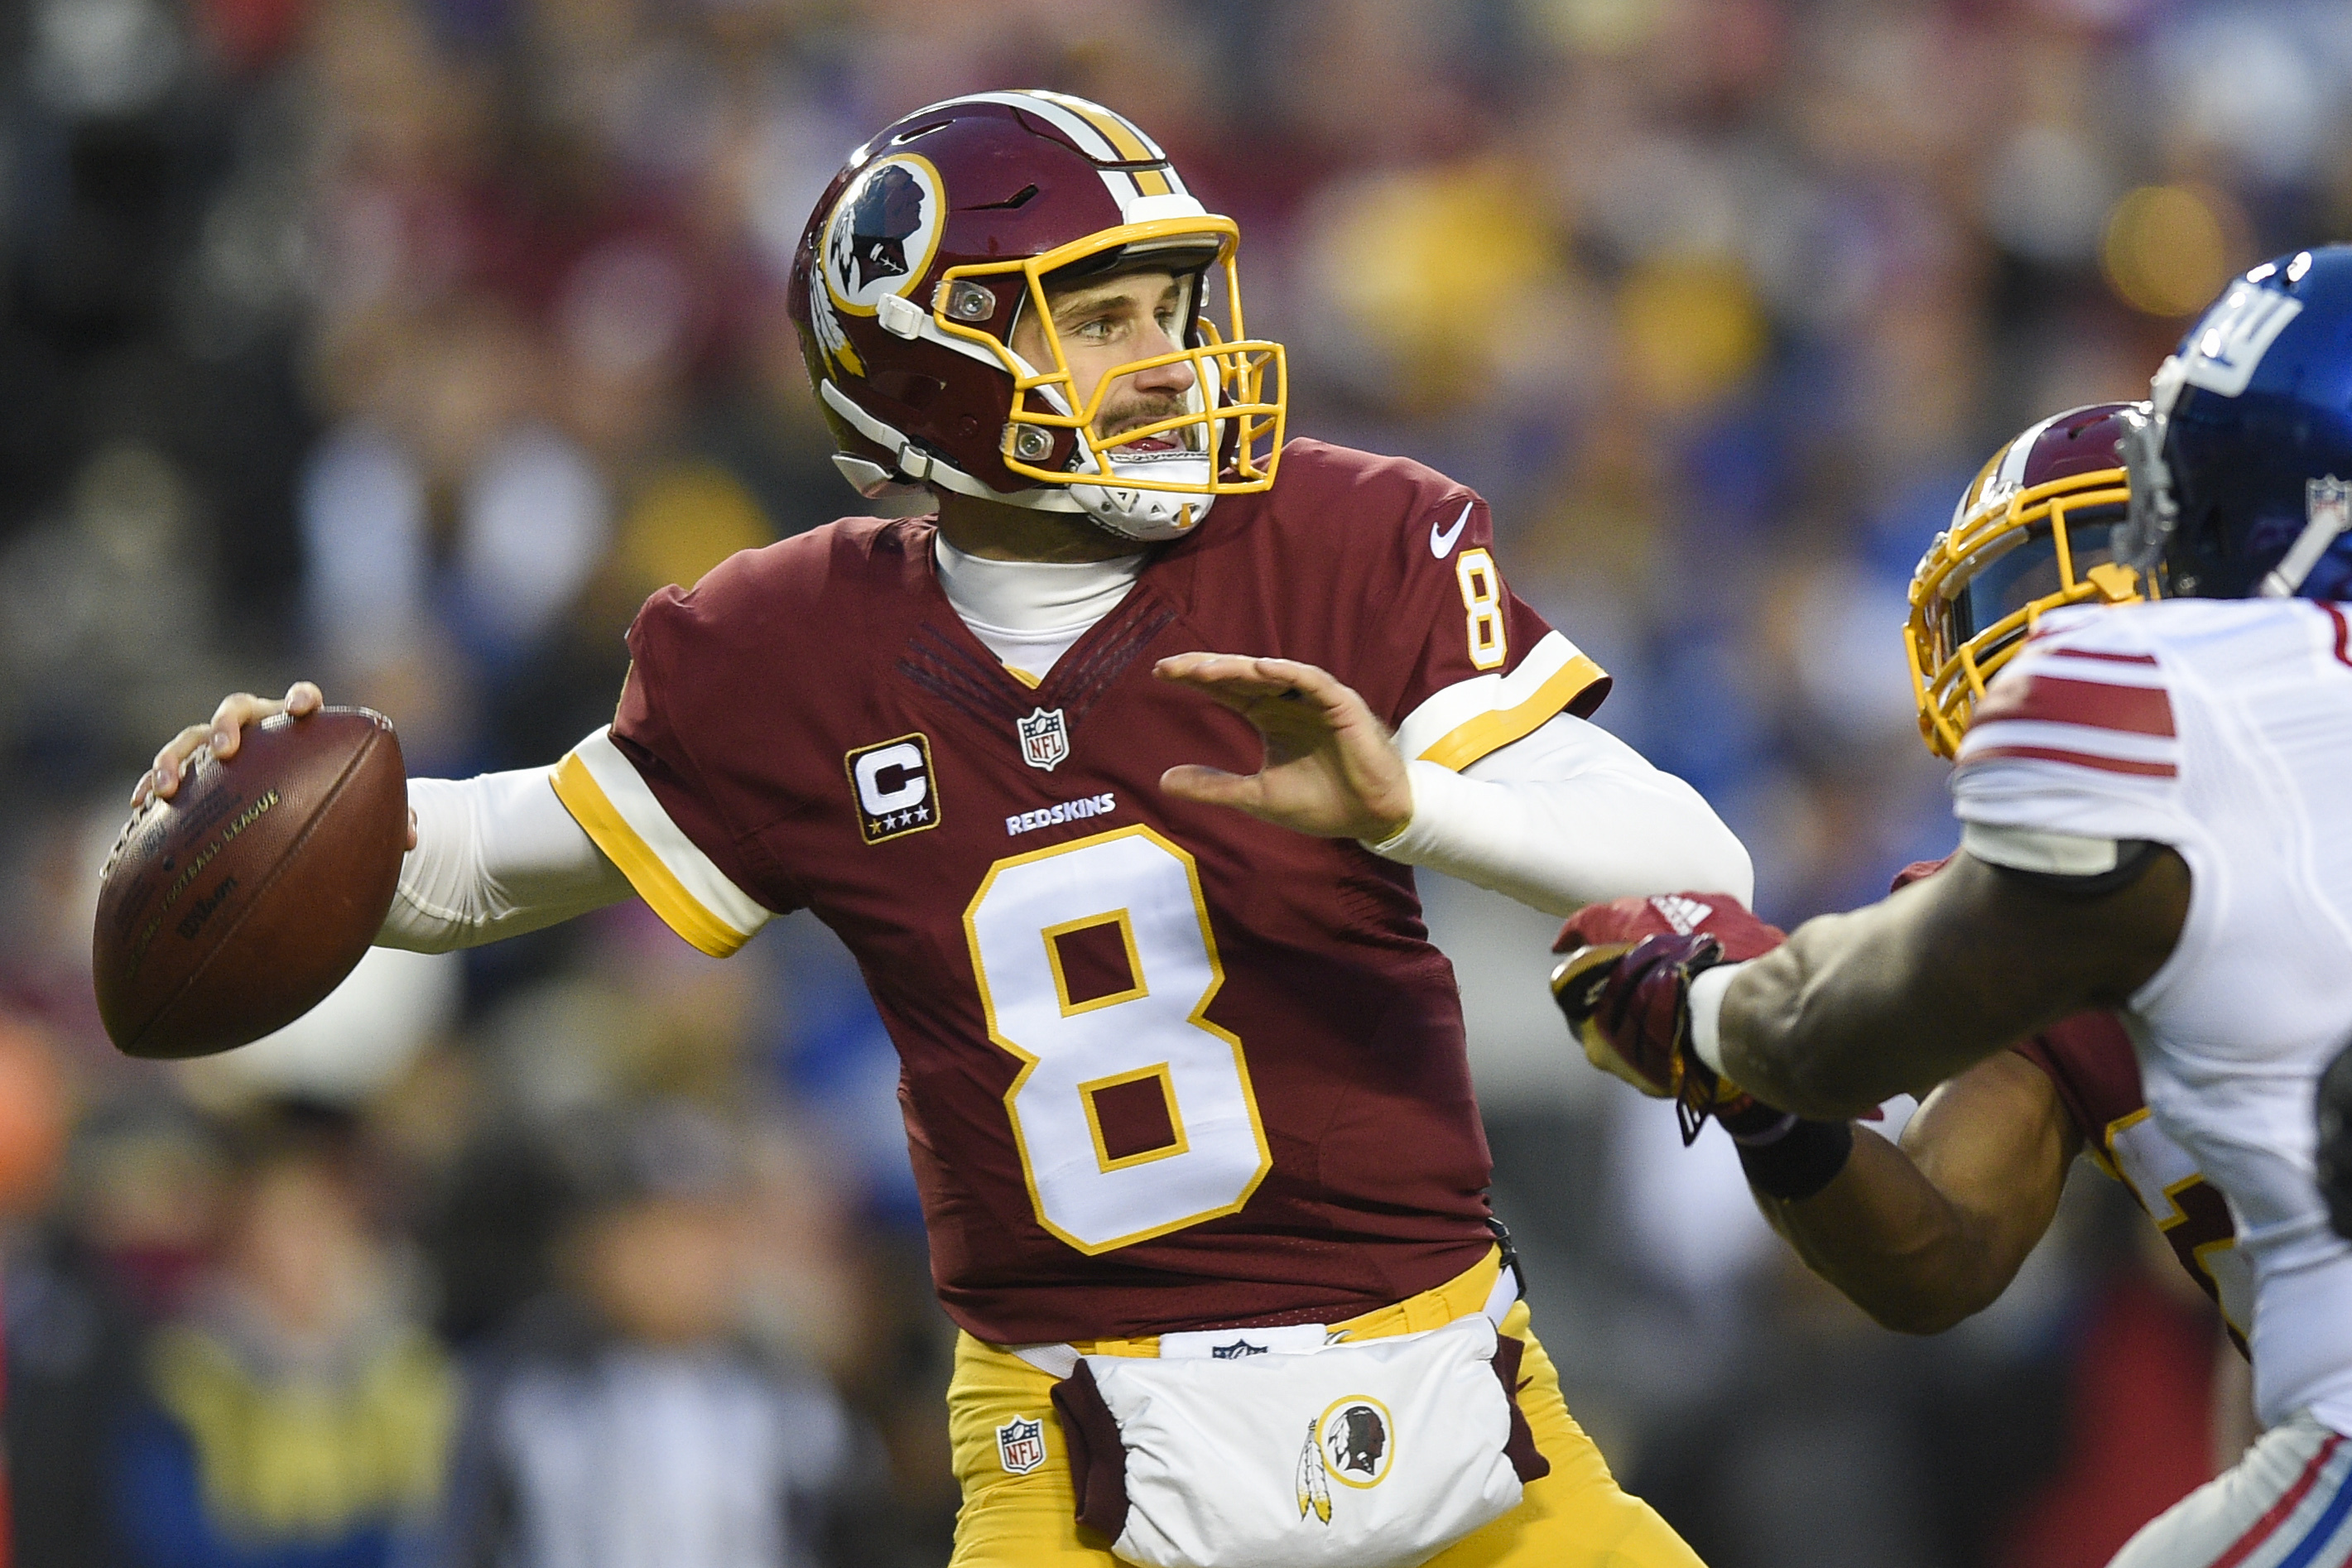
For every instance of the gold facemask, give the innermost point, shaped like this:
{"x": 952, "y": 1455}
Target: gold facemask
{"x": 2011, "y": 556}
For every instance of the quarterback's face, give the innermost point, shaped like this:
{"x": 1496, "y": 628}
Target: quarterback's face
{"x": 1113, "y": 322}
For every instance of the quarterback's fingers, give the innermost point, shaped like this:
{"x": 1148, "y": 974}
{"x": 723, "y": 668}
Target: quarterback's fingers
{"x": 1577, "y": 980}
{"x": 243, "y": 708}
{"x": 1603, "y": 1054}
{"x": 1228, "y": 677}
{"x": 163, "y": 779}
{"x": 223, "y": 733}
{"x": 1214, "y": 786}
{"x": 1243, "y": 675}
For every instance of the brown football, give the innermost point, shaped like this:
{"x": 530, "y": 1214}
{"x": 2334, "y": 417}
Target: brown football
{"x": 230, "y": 909}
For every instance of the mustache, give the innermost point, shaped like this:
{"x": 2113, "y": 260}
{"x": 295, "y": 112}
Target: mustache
{"x": 1126, "y": 416}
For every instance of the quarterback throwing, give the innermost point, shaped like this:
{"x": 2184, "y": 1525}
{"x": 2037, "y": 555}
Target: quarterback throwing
{"x": 1111, "y": 773}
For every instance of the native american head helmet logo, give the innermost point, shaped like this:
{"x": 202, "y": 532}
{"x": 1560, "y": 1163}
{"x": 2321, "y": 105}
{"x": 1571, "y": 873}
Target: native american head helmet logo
{"x": 887, "y": 210}
{"x": 883, "y": 232}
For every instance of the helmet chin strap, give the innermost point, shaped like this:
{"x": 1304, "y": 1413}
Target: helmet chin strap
{"x": 1146, "y": 516}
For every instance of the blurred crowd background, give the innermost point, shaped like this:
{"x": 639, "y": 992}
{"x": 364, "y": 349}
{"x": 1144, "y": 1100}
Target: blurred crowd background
{"x": 407, "y": 345}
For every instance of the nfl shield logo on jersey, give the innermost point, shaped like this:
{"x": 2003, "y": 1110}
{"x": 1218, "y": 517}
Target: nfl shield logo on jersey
{"x": 1045, "y": 739}
{"x": 1021, "y": 1444}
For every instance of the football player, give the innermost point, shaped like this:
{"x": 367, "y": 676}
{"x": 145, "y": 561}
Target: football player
{"x": 1178, "y": 1059}
{"x": 2150, "y": 799}
{"x": 1925, "y": 1234}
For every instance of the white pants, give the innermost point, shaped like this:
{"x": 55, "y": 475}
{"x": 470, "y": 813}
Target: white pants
{"x": 2287, "y": 1504}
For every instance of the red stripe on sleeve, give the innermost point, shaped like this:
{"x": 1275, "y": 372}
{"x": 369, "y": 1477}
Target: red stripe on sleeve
{"x": 2280, "y": 1509}
{"x": 2109, "y": 657}
{"x": 2080, "y": 759}
{"x": 2140, "y": 709}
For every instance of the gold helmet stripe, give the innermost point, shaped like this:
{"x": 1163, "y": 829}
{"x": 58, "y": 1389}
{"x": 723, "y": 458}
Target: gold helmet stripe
{"x": 1129, "y": 145}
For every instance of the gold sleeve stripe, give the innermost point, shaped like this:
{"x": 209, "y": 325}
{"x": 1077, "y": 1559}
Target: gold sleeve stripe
{"x": 1457, "y": 725}
{"x": 1498, "y": 728}
{"x": 597, "y": 784}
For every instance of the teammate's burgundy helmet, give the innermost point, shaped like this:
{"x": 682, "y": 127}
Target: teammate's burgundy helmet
{"x": 930, "y": 243}
{"x": 2030, "y": 533}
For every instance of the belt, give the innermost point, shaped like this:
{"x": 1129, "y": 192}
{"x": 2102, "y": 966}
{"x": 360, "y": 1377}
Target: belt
{"x": 1487, "y": 1286}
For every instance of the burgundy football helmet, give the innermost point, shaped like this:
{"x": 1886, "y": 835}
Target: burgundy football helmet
{"x": 2030, "y": 533}
{"x": 935, "y": 238}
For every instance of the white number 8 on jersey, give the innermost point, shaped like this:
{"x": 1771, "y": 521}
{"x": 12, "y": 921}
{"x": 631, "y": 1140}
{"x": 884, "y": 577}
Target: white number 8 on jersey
{"x": 1133, "y": 892}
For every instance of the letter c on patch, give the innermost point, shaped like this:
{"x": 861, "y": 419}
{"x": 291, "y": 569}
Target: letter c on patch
{"x": 892, "y": 778}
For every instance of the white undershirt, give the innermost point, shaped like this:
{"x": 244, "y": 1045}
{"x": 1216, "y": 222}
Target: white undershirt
{"x": 1028, "y": 613}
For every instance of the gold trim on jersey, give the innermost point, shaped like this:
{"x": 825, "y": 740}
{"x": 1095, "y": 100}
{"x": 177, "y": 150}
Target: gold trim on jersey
{"x": 601, "y": 789}
{"x": 1159, "y": 1072}
{"x": 1135, "y": 986}
{"x": 1458, "y": 724}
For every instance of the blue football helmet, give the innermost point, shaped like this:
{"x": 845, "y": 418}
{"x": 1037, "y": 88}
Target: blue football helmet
{"x": 2240, "y": 471}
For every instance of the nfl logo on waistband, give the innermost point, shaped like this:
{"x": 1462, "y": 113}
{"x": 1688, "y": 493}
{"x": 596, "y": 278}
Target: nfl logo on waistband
{"x": 1045, "y": 739}
{"x": 1020, "y": 1444}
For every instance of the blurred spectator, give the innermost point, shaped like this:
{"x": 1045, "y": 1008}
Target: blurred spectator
{"x": 625, "y": 1421}
{"x": 296, "y": 1413}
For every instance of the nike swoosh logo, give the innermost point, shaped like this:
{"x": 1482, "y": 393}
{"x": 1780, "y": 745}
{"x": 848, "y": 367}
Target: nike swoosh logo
{"x": 1441, "y": 541}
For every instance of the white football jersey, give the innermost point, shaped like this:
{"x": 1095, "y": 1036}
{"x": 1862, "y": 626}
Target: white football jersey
{"x": 2222, "y": 728}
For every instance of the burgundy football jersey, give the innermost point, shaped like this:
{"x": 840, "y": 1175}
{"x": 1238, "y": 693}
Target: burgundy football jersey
{"x": 2090, "y": 1062}
{"x": 1163, "y": 1066}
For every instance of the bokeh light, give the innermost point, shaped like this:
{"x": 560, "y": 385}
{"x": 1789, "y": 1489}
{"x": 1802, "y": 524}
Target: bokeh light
{"x": 2169, "y": 249}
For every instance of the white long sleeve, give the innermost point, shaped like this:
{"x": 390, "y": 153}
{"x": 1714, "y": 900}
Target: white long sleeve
{"x": 496, "y": 855}
{"x": 1567, "y": 816}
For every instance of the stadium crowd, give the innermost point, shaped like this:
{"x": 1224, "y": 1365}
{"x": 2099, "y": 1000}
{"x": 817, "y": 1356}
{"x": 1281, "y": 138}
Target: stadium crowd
{"x": 408, "y": 344}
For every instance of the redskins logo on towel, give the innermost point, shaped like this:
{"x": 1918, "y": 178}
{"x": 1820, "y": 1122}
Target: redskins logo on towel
{"x": 1353, "y": 1442}
{"x": 1358, "y": 1439}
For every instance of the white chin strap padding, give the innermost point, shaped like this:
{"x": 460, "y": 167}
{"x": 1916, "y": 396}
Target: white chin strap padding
{"x": 1150, "y": 515}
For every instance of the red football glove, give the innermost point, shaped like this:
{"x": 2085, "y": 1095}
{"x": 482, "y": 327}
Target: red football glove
{"x": 1634, "y": 1017}
{"x": 1719, "y": 915}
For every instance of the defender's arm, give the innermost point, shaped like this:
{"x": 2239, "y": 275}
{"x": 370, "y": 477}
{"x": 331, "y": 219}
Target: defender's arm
{"x": 1901, "y": 996}
{"x": 1924, "y": 1235}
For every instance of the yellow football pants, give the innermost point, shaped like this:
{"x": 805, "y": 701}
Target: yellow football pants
{"x": 1575, "y": 1517}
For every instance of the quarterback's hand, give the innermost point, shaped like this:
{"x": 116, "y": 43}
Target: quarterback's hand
{"x": 1628, "y": 1005}
{"x": 1629, "y": 919}
{"x": 1330, "y": 769}
{"x": 222, "y": 737}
